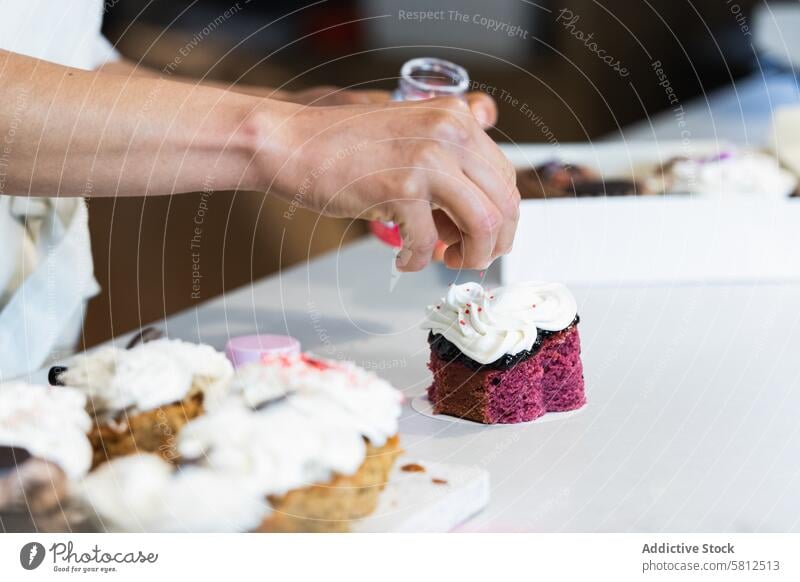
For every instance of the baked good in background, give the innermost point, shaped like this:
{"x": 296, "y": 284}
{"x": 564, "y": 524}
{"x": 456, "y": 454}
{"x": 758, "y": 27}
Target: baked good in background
{"x": 732, "y": 172}
{"x": 43, "y": 447}
{"x": 141, "y": 397}
{"x": 316, "y": 437}
{"x": 165, "y": 437}
{"x": 555, "y": 179}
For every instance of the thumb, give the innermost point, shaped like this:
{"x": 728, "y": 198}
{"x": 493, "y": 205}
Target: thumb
{"x": 483, "y": 107}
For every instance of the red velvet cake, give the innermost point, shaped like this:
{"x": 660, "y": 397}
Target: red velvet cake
{"x": 505, "y": 356}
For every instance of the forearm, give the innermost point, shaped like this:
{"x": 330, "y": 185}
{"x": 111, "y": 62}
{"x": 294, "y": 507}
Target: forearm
{"x": 69, "y": 132}
{"x": 128, "y": 68}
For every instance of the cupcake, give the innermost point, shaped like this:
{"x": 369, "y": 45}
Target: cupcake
{"x": 316, "y": 438}
{"x": 141, "y": 397}
{"x": 728, "y": 173}
{"x": 144, "y": 493}
{"x": 43, "y": 446}
{"x": 559, "y": 180}
{"x": 507, "y": 355}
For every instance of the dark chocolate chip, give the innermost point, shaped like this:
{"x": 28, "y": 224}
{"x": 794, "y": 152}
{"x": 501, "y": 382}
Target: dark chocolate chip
{"x": 147, "y": 334}
{"x": 54, "y": 375}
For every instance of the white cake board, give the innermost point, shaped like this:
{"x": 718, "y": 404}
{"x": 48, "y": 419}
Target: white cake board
{"x": 438, "y": 499}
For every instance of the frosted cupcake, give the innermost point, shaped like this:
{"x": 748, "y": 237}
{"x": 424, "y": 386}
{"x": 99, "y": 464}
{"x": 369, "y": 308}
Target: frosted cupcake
{"x": 316, "y": 437}
{"x": 505, "y": 355}
{"x": 43, "y": 445}
{"x": 140, "y": 398}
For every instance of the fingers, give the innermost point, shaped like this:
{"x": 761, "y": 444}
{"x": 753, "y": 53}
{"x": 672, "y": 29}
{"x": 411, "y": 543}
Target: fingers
{"x": 447, "y": 229}
{"x": 476, "y": 220}
{"x": 486, "y": 165}
{"x": 418, "y": 232}
{"x": 498, "y": 181}
{"x": 483, "y": 107}
{"x": 470, "y": 179}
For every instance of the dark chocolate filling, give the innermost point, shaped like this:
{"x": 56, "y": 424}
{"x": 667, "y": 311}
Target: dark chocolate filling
{"x": 146, "y": 334}
{"x": 447, "y": 351}
{"x": 12, "y": 457}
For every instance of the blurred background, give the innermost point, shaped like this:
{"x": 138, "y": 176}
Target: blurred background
{"x": 540, "y": 61}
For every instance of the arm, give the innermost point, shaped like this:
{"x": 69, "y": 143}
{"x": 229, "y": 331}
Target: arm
{"x": 481, "y": 104}
{"x": 426, "y": 165}
{"x": 72, "y": 131}
{"x": 127, "y": 68}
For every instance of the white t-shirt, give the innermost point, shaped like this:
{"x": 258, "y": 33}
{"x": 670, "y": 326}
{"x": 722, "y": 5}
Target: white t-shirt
{"x": 66, "y": 32}
{"x": 37, "y": 234}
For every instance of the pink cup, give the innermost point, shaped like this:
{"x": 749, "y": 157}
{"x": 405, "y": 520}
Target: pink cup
{"x": 251, "y": 348}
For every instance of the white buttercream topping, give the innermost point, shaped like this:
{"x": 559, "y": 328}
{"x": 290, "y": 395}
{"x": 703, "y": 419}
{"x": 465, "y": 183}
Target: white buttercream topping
{"x": 144, "y": 493}
{"x": 488, "y": 324}
{"x": 730, "y": 173}
{"x": 149, "y": 375}
{"x": 273, "y": 450}
{"x": 314, "y": 415}
{"x": 51, "y": 423}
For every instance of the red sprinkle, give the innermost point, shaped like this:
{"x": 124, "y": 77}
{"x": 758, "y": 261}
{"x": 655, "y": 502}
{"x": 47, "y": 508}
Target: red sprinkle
{"x": 534, "y": 306}
{"x": 462, "y": 322}
{"x": 315, "y": 363}
{"x": 466, "y": 311}
{"x": 480, "y": 309}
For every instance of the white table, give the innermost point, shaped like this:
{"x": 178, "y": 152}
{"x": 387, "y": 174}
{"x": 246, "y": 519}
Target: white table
{"x": 694, "y": 394}
{"x": 694, "y": 391}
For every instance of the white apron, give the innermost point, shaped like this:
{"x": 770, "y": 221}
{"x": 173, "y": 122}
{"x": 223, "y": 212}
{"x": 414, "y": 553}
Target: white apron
{"x": 46, "y": 274}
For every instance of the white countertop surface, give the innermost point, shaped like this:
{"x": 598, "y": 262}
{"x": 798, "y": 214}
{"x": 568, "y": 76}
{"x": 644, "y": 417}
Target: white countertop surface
{"x": 693, "y": 390}
{"x": 693, "y": 394}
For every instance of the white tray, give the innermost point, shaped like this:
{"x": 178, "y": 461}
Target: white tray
{"x": 435, "y": 500}
{"x": 650, "y": 239}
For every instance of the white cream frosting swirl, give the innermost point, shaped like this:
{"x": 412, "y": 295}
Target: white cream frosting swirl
{"x": 488, "y": 324}
{"x": 315, "y": 416}
{"x": 51, "y": 423}
{"x": 144, "y": 493}
{"x": 149, "y": 375}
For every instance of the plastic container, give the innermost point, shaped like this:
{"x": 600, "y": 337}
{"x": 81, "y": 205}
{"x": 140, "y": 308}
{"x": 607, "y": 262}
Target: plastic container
{"x": 251, "y": 348}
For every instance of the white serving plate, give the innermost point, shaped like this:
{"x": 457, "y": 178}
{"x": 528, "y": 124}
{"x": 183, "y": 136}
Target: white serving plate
{"x": 649, "y": 239}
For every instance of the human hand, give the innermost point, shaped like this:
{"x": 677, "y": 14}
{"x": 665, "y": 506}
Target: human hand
{"x": 426, "y": 165}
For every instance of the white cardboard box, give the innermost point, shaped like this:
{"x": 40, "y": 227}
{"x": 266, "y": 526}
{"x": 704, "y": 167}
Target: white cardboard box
{"x": 649, "y": 239}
